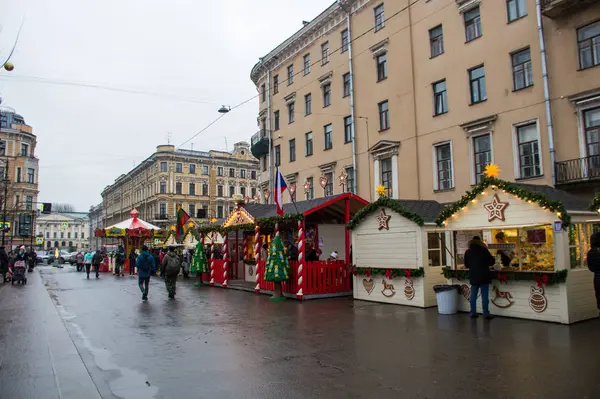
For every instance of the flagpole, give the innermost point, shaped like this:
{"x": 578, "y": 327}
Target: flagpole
{"x": 293, "y": 202}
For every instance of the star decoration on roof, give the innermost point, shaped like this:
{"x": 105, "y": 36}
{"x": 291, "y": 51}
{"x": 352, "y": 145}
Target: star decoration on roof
{"x": 492, "y": 170}
{"x": 495, "y": 209}
{"x": 383, "y": 220}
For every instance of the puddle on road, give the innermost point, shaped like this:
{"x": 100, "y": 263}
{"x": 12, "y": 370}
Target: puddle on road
{"x": 131, "y": 384}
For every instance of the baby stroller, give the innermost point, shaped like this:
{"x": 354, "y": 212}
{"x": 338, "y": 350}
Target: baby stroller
{"x": 19, "y": 270}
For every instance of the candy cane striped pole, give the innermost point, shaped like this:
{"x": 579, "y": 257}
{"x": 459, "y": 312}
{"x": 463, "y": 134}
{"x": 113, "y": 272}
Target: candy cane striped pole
{"x": 225, "y": 259}
{"x": 212, "y": 261}
{"x": 257, "y": 246}
{"x": 301, "y": 257}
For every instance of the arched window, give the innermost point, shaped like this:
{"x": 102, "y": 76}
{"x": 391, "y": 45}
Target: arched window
{"x": 70, "y": 244}
{"x": 55, "y": 244}
{"x": 63, "y": 244}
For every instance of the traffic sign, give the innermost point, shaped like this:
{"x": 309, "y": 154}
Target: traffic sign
{"x": 64, "y": 225}
{"x": 39, "y": 240}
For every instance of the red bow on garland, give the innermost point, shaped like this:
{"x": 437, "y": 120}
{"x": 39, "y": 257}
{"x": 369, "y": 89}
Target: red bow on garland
{"x": 407, "y": 274}
{"x": 542, "y": 280}
{"x": 503, "y": 278}
{"x": 389, "y": 274}
{"x": 456, "y": 276}
{"x": 368, "y": 272}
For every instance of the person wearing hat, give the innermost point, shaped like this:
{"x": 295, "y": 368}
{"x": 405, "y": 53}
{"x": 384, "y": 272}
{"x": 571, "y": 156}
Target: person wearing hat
{"x": 478, "y": 260}
{"x": 170, "y": 268}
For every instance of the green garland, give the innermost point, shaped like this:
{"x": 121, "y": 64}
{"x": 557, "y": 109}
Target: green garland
{"x": 375, "y": 271}
{"x": 541, "y": 199}
{"x": 385, "y": 203}
{"x": 595, "y": 205}
{"x": 553, "y": 278}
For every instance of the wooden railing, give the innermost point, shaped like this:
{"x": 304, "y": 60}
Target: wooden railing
{"x": 577, "y": 170}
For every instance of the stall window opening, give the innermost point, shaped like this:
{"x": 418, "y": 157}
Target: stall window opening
{"x": 436, "y": 249}
{"x": 579, "y": 243}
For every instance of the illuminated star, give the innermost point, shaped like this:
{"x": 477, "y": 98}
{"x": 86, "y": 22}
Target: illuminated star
{"x": 383, "y": 220}
{"x": 495, "y": 209}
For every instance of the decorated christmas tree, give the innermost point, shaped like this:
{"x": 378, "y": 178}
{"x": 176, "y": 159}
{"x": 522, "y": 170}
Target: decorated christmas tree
{"x": 199, "y": 262}
{"x": 278, "y": 268}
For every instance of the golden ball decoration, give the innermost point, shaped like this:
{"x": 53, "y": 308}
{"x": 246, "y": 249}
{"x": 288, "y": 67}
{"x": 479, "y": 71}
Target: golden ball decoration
{"x": 9, "y": 66}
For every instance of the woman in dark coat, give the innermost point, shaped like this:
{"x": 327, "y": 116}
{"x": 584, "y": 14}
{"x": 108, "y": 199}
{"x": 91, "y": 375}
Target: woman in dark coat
{"x": 3, "y": 263}
{"x": 593, "y": 261}
{"x": 478, "y": 260}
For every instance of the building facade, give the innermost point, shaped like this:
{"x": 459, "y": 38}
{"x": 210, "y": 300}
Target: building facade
{"x": 96, "y": 216}
{"x": 69, "y": 231}
{"x": 201, "y": 182}
{"x": 420, "y": 96}
{"x": 19, "y": 174}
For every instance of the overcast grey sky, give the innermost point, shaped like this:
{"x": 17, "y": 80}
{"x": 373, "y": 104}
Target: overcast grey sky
{"x": 197, "y": 51}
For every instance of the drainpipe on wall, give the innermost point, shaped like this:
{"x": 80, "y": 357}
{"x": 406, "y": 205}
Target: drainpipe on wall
{"x": 352, "y": 112}
{"x": 538, "y": 10}
{"x": 270, "y": 163}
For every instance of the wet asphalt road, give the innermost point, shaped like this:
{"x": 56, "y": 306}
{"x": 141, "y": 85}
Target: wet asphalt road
{"x": 62, "y": 336}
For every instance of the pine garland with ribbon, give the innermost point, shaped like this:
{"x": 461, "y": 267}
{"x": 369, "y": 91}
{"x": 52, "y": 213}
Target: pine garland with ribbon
{"x": 384, "y": 202}
{"x": 526, "y": 195}
{"x": 505, "y": 276}
{"x": 388, "y": 273}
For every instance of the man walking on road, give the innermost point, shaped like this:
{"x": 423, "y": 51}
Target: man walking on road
{"x": 170, "y": 268}
{"x": 132, "y": 260}
{"x": 146, "y": 266}
{"x": 119, "y": 261}
{"x": 79, "y": 258}
{"x": 479, "y": 260}
{"x": 87, "y": 261}
{"x": 96, "y": 261}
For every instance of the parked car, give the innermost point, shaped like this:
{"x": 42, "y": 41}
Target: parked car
{"x": 42, "y": 257}
{"x": 63, "y": 257}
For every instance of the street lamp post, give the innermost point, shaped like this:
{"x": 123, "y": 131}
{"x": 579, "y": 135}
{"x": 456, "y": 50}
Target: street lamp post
{"x": 4, "y": 201}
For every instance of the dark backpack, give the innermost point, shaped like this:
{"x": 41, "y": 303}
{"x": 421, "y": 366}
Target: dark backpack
{"x": 173, "y": 265}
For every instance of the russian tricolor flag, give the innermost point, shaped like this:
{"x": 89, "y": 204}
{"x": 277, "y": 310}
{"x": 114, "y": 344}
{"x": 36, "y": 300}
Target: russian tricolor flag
{"x": 280, "y": 187}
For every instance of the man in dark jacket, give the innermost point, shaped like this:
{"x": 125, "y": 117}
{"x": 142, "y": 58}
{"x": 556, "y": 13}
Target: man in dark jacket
{"x": 3, "y": 264}
{"x": 132, "y": 260}
{"x": 146, "y": 266}
{"x": 119, "y": 261}
{"x": 96, "y": 261}
{"x": 593, "y": 261}
{"x": 479, "y": 260}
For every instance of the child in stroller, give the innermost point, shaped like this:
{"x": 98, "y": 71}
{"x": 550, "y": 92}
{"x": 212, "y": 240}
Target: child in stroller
{"x": 19, "y": 272}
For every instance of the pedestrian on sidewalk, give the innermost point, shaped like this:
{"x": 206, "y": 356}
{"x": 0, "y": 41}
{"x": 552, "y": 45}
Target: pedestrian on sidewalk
{"x": 593, "y": 261}
{"x": 478, "y": 260}
{"x": 162, "y": 257}
{"x": 146, "y": 266}
{"x": 3, "y": 263}
{"x": 170, "y": 268}
{"x": 87, "y": 261}
{"x": 119, "y": 261}
{"x": 185, "y": 264}
{"x": 132, "y": 259}
{"x": 96, "y": 261}
{"x": 79, "y": 258}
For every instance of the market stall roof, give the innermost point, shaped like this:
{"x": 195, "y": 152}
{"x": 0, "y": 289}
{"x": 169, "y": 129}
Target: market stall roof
{"x": 133, "y": 223}
{"x": 429, "y": 210}
{"x": 571, "y": 202}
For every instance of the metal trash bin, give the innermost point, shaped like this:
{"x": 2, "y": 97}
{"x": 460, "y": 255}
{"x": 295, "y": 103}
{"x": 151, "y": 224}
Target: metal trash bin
{"x": 447, "y": 298}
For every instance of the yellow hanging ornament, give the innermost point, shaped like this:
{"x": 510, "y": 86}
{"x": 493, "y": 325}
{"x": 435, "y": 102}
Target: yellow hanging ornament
{"x": 492, "y": 170}
{"x": 380, "y": 191}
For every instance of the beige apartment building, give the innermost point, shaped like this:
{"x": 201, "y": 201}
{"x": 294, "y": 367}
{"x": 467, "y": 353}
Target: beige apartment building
{"x": 437, "y": 89}
{"x": 201, "y": 182}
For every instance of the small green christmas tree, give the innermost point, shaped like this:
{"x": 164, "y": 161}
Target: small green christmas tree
{"x": 278, "y": 268}
{"x": 199, "y": 262}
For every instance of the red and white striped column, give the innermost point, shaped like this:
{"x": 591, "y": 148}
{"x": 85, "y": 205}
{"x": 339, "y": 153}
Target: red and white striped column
{"x": 301, "y": 259}
{"x": 212, "y": 260}
{"x": 257, "y": 251}
{"x": 225, "y": 259}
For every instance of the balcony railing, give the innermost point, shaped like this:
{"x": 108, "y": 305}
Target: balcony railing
{"x": 578, "y": 170}
{"x": 557, "y": 8}
{"x": 259, "y": 144}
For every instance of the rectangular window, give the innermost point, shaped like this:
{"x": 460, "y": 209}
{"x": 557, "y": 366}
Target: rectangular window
{"x": 345, "y": 40}
{"x": 242, "y": 173}
{"x": 54, "y": 234}
{"x": 308, "y": 104}
{"x": 306, "y": 64}
{"x": 482, "y": 154}
{"x": 386, "y": 176}
{"x": 443, "y": 158}
{"x": 350, "y": 180}
{"x": 309, "y": 143}
{"x": 242, "y": 191}
{"x": 379, "y": 17}
{"x": 162, "y": 188}
{"x": 591, "y": 120}
{"x": 348, "y": 129}
{"x": 178, "y": 168}
{"x": 219, "y": 191}
{"x": 326, "y": 95}
{"x": 328, "y": 130}
{"x": 436, "y": 248}
{"x": 522, "y": 71}
{"x": 162, "y": 210}
{"x": 263, "y": 127}
{"x": 472, "y": 24}
{"x": 275, "y": 84}
{"x": 220, "y": 171}
{"x": 346, "y": 84}
{"x": 205, "y": 190}
{"x": 18, "y": 177}
{"x": 192, "y": 210}
{"x": 324, "y": 53}
{"x": 231, "y": 191}
{"x": 516, "y": 9}
{"x": 29, "y": 204}
{"x": 231, "y": 172}
{"x": 436, "y": 41}
{"x": 192, "y": 169}
{"x": 529, "y": 151}
{"x": 219, "y": 211}
{"x": 329, "y": 185}
{"x": 292, "y": 150}
{"x": 290, "y": 74}
{"x": 163, "y": 167}
{"x": 30, "y": 175}
{"x": 381, "y": 67}
{"x": 588, "y": 41}
{"x": 290, "y": 107}
{"x": 310, "y": 193}
{"x": 477, "y": 84}
{"x": 2, "y": 147}
{"x": 384, "y": 116}
{"x": 192, "y": 189}
{"x": 205, "y": 170}
{"x": 253, "y": 192}
{"x": 178, "y": 188}
{"x": 24, "y": 150}
{"x": 277, "y": 155}
{"x": 253, "y": 174}
{"x": 440, "y": 98}
{"x": 263, "y": 93}
{"x": 75, "y": 235}
{"x": 276, "y": 120}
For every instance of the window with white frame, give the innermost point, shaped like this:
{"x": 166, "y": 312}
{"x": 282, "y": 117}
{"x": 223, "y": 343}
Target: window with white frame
{"x": 329, "y": 185}
{"x": 436, "y": 249}
{"x": 350, "y": 180}
{"x": 324, "y": 53}
{"x": 522, "y": 70}
{"x": 306, "y": 64}
{"x": 310, "y": 193}
{"x": 528, "y": 148}
{"x": 290, "y": 74}
{"x": 591, "y": 124}
{"x": 482, "y": 155}
{"x": 472, "y": 20}
{"x": 386, "y": 176}
{"x": 379, "y": 17}
{"x": 443, "y": 162}
{"x": 588, "y": 41}
{"x": 516, "y": 9}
